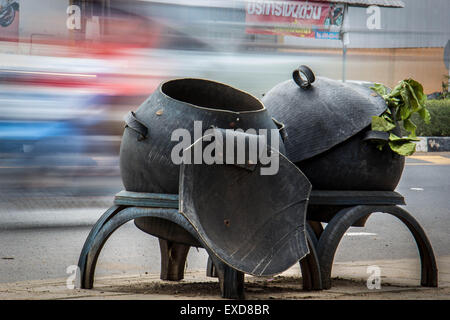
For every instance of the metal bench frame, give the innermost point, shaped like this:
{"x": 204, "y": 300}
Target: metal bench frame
{"x": 344, "y": 209}
{"x": 340, "y": 209}
{"x": 131, "y": 205}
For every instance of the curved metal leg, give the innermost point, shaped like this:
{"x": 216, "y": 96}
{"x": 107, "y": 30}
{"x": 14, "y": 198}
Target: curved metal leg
{"x": 316, "y": 227}
{"x": 173, "y": 259}
{"x": 345, "y": 218}
{"x": 312, "y": 234}
{"x": 231, "y": 281}
{"x": 310, "y": 267}
{"x": 211, "y": 269}
{"x": 92, "y": 234}
{"x": 107, "y": 224}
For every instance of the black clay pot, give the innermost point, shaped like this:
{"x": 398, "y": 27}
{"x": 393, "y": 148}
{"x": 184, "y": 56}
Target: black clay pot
{"x": 327, "y": 124}
{"x": 145, "y": 153}
{"x": 355, "y": 164}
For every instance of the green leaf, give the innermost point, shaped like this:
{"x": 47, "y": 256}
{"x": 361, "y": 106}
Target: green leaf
{"x": 425, "y": 115}
{"x": 405, "y": 108}
{"x": 387, "y": 116}
{"x": 403, "y": 148}
{"x": 397, "y": 89}
{"x": 394, "y": 138}
{"x": 410, "y": 127}
{"x": 418, "y": 91}
{"x": 394, "y": 102}
{"x": 405, "y": 112}
{"x": 380, "y": 89}
{"x": 388, "y": 112}
{"x": 413, "y": 101}
{"x": 381, "y": 124}
{"x": 405, "y": 99}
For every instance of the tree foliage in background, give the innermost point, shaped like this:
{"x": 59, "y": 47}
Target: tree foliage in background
{"x": 445, "y": 94}
{"x": 406, "y": 99}
{"x": 440, "y": 120}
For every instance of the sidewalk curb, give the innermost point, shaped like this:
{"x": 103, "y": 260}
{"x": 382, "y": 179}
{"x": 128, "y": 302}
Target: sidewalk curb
{"x": 433, "y": 144}
{"x": 400, "y": 281}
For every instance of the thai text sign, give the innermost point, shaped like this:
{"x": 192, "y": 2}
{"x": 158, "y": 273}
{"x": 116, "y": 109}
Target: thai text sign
{"x": 295, "y": 18}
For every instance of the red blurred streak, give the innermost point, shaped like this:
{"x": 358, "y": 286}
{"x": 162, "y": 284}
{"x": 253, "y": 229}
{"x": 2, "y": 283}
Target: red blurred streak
{"x": 114, "y": 84}
{"x": 119, "y": 34}
{"x": 88, "y": 48}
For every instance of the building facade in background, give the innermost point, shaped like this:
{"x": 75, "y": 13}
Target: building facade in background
{"x": 372, "y": 40}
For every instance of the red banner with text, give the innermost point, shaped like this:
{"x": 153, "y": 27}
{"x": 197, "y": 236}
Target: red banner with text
{"x": 295, "y": 18}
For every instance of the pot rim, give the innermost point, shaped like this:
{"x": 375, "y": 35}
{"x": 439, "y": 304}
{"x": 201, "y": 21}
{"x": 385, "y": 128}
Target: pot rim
{"x": 212, "y": 109}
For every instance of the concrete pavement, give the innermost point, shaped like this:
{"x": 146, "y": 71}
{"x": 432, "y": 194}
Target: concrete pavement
{"x": 400, "y": 280}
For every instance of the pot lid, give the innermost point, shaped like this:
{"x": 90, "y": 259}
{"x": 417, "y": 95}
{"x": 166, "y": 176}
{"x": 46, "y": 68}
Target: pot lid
{"x": 319, "y": 113}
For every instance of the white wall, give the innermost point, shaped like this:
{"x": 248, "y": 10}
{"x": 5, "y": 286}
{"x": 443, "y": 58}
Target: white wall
{"x": 41, "y": 19}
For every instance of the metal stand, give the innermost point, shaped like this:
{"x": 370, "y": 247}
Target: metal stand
{"x": 173, "y": 259}
{"x": 131, "y": 205}
{"x": 309, "y": 267}
{"x": 343, "y": 209}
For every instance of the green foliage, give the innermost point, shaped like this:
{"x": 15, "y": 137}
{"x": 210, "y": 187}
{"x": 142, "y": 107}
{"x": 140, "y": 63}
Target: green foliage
{"x": 403, "y": 146}
{"x": 404, "y": 101}
{"x": 445, "y": 94}
{"x": 440, "y": 120}
{"x": 382, "y": 124}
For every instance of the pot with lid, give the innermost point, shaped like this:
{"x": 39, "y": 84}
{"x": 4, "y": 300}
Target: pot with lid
{"x": 327, "y": 123}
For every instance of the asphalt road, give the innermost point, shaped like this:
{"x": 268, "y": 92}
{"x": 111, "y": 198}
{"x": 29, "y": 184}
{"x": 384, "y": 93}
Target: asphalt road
{"x": 42, "y": 243}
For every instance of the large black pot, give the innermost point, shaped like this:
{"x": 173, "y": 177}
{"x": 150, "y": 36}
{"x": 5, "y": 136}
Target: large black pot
{"x": 355, "y": 164}
{"x": 327, "y": 123}
{"x": 145, "y": 152}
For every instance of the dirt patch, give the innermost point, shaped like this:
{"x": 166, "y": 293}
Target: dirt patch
{"x": 189, "y": 289}
{"x": 279, "y": 287}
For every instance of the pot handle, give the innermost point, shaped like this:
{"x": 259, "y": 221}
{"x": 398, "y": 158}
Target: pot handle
{"x": 376, "y": 136}
{"x": 133, "y": 123}
{"x": 281, "y": 128}
{"x": 303, "y": 76}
